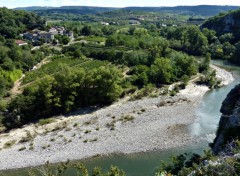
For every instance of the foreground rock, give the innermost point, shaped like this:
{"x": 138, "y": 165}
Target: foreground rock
{"x": 229, "y": 125}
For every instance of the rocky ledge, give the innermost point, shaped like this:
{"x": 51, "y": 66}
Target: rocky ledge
{"x": 229, "y": 125}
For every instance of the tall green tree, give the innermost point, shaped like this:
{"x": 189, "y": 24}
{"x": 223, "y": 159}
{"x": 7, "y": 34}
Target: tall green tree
{"x": 161, "y": 71}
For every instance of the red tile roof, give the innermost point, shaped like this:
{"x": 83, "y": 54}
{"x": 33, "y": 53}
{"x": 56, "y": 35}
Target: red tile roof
{"x": 19, "y": 42}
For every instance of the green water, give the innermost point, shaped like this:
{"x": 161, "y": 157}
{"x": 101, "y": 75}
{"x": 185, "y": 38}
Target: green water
{"x": 144, "y": 164}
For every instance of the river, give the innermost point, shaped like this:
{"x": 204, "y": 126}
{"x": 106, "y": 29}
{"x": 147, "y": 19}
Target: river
{"x": 144, "y": 164}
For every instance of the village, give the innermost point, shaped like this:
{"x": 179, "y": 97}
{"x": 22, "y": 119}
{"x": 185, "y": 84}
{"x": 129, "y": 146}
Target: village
{"x": 38, "y": 37}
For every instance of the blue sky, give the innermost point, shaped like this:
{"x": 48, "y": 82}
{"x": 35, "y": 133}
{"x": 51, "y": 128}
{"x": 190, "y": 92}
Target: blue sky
{"x": 114, "y": 3}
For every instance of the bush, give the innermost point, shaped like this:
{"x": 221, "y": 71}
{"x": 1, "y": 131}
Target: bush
{"x": 77, "y": 168}
{"x": 46, "y": 121}
{"x": 144, "y": 92}
{"x": 3, "y": 105}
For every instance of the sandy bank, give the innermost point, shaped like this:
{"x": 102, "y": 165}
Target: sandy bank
{"x": 124, "y": 127}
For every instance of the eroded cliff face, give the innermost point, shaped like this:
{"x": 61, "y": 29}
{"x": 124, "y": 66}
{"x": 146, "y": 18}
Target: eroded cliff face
{"x": 229, "y": 23}
{"x": 229, "y": 125}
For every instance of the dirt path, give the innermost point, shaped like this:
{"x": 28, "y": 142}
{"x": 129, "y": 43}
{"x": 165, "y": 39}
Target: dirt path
{"x": 17, "y": 88}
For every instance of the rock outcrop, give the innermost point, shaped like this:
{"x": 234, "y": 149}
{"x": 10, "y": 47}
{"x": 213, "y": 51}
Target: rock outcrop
{"x": 229, "y": 125}
{"x": 228, "y": 23}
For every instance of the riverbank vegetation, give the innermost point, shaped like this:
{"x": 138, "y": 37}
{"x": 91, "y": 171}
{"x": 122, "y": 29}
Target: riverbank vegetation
{"x": 77, "y": 169}
{"x": 180, "y": 165}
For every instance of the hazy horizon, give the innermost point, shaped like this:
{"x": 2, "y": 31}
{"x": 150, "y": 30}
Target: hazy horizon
{"x": 116, "y": 3}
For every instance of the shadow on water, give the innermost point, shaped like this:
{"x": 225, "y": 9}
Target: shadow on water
{"x": 144, "y": 164}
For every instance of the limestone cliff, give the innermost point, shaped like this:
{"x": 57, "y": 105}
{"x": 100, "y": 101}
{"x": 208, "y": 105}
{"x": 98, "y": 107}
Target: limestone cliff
{"x": 229, "y": 125}
{"x": 224, "y": 23}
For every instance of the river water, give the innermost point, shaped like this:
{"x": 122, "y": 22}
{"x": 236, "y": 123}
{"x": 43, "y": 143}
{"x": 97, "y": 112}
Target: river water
{"x": 144, "y": 164}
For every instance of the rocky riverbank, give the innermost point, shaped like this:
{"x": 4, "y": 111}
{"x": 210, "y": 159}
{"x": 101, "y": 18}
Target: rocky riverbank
{"x": 125, "y": 127}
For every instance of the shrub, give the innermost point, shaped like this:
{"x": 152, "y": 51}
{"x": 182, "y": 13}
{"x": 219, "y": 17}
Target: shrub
{"x": 3, "y": 105}
{"x": 127, "y": 118}
{"x": 46, "y": 121}
{"x": 144, "y": 92}
{"x": 22, "y": 148}
{"x": 77, "y": 168}
{"x": 9, "y": 144}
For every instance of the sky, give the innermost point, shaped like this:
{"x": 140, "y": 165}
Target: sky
{"x": 113, "y": 3}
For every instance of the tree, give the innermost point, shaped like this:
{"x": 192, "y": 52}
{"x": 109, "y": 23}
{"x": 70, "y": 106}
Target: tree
{"x": 4, "y": 53}
{"x": 3, "y": 85}
{"x": 140, "y": 31}
{"x": 77, "y": 53}
{"x": 228, "y": 50}
{"x": 141, "y": 79}
{"x": 86, "y": 30}
{"x": 228, "y": 37}
{"x": 183, "y": 65}
{"x": 205, "y": 65}
{"x": 210, "y": 34}
{"x": 65, "y": 88}
{"x": 111, "y": 41}
{"x": 106, "y": 82}
{"x": 63, "y": 39}
{"x": 235, "y": 58}
{"x": 197, "y": 42}
{"x": 136, "y": 58}
{"x": 161, "y": 71}
{"x": 108, "y": 30}
{"x": 131, "y": 30}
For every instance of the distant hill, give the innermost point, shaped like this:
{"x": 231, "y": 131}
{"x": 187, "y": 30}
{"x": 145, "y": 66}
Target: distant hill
{"x": 32, "y": 8}
{"x": 203, "y": 10}
{"x": 69, "y": 9}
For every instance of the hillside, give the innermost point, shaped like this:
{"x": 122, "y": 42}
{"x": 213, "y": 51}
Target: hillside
{"x": 14, "y": 60}
{"x": 68, "y": 9}
{"x": 14, "y": 22}
{"x": 203, "y": 10}
{"x": 225, "y": 23}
